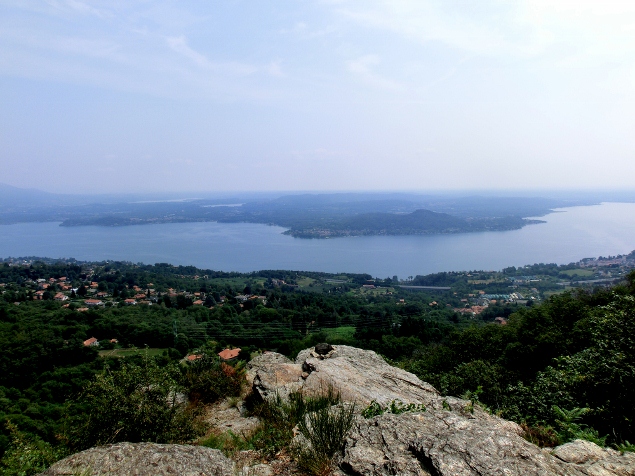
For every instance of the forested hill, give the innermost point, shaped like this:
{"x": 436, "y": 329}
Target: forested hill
{"x": 304, "y": 216}
{"x": 419, "y": 222}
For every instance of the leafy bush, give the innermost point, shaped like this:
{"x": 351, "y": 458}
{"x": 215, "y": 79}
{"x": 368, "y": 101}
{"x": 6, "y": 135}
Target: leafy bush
{"x": 570, "y": 429}
{"x": 600, "y": 377}
{"x": 208, "y": 380}
{"x": 136, "y": 403}
{"x": 27, "y": 455}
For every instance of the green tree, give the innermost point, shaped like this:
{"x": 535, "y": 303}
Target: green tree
{"x": 136, "y": 403}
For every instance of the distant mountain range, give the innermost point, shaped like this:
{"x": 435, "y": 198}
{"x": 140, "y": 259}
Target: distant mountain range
{"x": 321, "y": 215}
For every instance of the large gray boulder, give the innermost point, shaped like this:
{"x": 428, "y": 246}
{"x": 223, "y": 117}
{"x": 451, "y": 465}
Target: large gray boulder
{"x": 272, "y": 374}
{"x": 596, "y": 461}
{"x": 359, "y": 375}
{"x": 451, "y": 437}
{"x": 441, "y": 442}
{"x": 144, "y": 459}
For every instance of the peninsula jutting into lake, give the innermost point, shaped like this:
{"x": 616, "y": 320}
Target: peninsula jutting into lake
{"x": 304, "y": 216}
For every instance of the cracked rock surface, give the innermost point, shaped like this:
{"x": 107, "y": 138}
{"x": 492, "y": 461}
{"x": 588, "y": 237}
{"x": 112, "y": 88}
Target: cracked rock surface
{"x": 456, "y": 442}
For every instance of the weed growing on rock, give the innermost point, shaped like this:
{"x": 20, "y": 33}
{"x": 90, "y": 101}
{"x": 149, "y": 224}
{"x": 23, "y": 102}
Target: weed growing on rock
{"x": 228, "y": 442}
{"x": 544, "y": 436}
{"x": 321, "y": 422}
{"x": 396, "y": 407}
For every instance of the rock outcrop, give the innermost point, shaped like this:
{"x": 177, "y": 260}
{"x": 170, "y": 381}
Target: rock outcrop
{"x": 359, "y": 375}
{"x": 144, "y": 459}
{"x": 451, "y": 437}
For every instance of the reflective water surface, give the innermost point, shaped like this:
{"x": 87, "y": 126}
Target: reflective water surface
{"x": 569, "y": 235}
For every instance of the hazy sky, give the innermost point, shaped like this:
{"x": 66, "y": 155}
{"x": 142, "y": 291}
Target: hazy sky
{"x": 316, "y": 95}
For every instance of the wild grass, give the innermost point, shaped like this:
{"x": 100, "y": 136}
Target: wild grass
{"x": 321, "y": 420}
{"x": 324, "y": 431}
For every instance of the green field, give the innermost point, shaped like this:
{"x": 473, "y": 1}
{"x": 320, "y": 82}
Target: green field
{"x": 305, "y": 281}
{"x": 344, "y": 332}
{"x": 122, "y": 353}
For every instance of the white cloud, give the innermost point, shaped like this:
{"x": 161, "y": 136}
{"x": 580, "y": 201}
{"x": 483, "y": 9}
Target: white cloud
{"x": 519, "y": 29}
{"x": 179, "y": 44}
{"x": 364, "y": 66}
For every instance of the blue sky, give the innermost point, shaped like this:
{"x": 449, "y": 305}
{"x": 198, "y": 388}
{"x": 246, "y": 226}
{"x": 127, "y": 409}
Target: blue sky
{"x": 120, "y": 96}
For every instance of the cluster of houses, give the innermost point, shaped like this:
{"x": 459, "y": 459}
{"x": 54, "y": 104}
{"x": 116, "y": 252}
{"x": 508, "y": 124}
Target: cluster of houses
{"x": 243, "y": 298}
{"x": 226, "y": 355}
{"x": 96, "y": 298}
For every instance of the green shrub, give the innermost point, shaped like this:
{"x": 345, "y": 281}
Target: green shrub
{"x": 27, "y": 455}
{"x": 136, "y": 403}
{"x": 570, "y": 429}
{"x": 208, "y": 380}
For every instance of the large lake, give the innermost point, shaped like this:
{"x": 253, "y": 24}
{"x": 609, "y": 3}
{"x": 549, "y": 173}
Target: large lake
{"x": 569, "y": 235}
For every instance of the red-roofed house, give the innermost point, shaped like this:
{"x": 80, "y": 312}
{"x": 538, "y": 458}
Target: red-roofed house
{"x": 92, "y": 342}
{"x": 130, "y": 302}
{"x": 93, "y": 302}
{"x": 229, "y": 354}
{"x": 193, "y": 357}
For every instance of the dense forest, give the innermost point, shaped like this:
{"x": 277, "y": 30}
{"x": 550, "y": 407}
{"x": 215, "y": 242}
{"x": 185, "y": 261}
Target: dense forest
{"x": 568, "y": 358}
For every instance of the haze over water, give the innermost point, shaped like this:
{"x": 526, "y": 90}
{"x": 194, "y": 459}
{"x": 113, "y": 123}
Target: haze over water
{"x": 568, "y": 236}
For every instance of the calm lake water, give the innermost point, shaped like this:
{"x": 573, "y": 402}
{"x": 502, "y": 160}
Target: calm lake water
{"x": 569, "y": 235}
